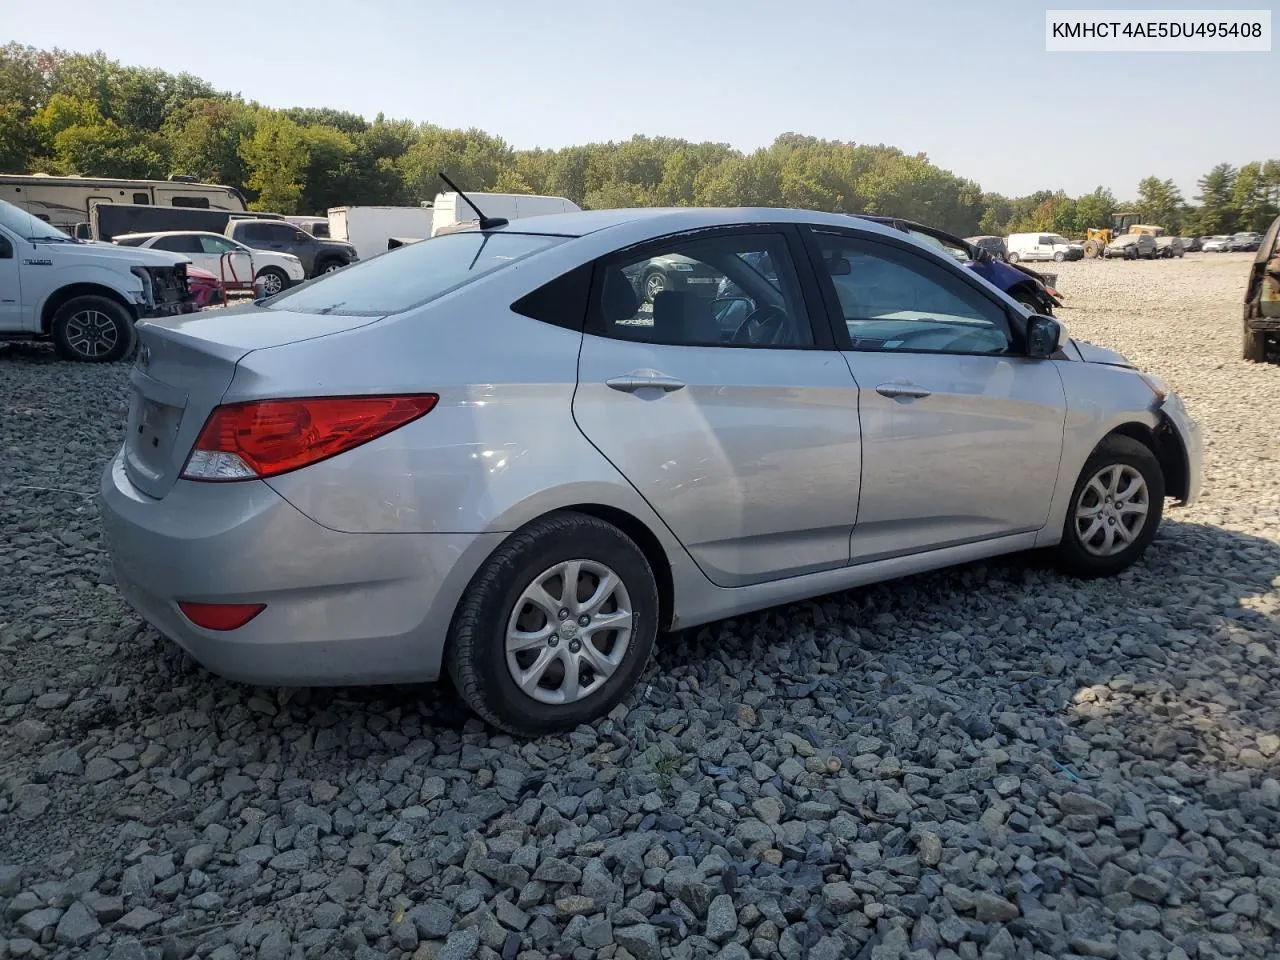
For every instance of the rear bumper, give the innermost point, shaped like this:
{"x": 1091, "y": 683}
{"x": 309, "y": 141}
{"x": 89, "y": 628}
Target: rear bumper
{"x": 340, "y": 608}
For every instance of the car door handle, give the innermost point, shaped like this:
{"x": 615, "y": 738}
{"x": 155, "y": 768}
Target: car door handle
{"x": 902, "y": 390}
{"x": 640, "y": 379}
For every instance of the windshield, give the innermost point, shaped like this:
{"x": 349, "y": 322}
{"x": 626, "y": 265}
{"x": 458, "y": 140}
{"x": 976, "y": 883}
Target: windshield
{"x": 411, "y": 275}
{"x": 27, "y": 226}
{"x": 1055, "y": 240}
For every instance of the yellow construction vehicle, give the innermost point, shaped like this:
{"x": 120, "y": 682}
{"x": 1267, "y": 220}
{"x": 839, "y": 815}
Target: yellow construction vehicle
{"x": 1146, "y": 228}
{"x": 1096, "y": 241}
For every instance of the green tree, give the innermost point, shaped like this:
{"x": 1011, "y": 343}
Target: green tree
{"x": 1094, "y": 210}
{"x": 331, "y": 174}
{"x": 276, "y": 155}
{"x": 204, "y": 140}
{"x": 510, "y": 181}
{"x": 1160, "y": 203}
{"x": 471, "y": 158}
{"x": 1251, "y": 199}
{"x": 1216, "y": 214}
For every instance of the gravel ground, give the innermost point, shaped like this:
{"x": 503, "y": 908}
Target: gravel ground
{"x": 992, "y": 762}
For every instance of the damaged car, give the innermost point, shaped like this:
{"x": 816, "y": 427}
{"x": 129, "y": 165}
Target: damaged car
{"x": 1262, "y": 300}
{"x": 1029, "y": 288}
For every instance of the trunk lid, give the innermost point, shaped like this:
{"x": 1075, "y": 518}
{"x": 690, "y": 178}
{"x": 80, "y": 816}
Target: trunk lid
{"x": 182, "y": 371}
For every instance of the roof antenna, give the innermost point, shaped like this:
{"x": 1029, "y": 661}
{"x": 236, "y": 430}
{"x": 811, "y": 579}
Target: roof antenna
{"x": 486, "y": 223}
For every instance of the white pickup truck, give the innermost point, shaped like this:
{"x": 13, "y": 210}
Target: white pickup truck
{"x": 84, "y": 296}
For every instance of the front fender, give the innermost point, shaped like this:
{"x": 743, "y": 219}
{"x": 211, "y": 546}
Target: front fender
{"x": 1100, "y": 400}
{"x": 127, "y": 286}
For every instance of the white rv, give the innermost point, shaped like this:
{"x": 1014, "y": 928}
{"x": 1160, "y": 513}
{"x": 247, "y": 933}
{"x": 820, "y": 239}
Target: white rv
{"x": 450, "y": 208}
{"x": 369, "y": 229}
{"x": 65, "y": 201}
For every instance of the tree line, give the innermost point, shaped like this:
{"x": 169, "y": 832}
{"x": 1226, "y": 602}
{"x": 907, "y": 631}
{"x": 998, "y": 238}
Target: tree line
{"x": 85, "y": 114}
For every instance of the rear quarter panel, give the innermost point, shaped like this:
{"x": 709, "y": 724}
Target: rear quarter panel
{"x": 500, "y": 447}
{"x": 1100, "y": 398}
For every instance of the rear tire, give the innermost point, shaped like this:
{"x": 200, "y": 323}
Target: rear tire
{"x": 555, "y": 652}
{"x": 1105, "y": 531}
{"x": 92, "y": 329}
{"x": 274, "y": 280}
{"x": 1255, "y": 345}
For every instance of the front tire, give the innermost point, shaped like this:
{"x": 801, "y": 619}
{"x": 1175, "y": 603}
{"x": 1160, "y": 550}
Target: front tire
{"x": 329, "y": 266}
{"x": 655, "y": 282}
{"x": 92, "y": 329}
{"x": 1059, "y": 257}
{"x": 556, "y": 628}
{"x": 1013, "y": 258}
{"x": 1115, "y": 510}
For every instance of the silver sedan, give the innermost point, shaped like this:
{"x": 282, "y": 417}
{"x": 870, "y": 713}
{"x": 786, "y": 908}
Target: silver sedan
{"x": 491, "y": 455}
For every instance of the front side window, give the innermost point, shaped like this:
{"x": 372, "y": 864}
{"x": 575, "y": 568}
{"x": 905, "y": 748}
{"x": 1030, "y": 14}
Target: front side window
{"x": 411, "y": 275}
{"x": 729, "y": 290}
{"x": 279, "y": 232}
{"x": 892, "y": 299}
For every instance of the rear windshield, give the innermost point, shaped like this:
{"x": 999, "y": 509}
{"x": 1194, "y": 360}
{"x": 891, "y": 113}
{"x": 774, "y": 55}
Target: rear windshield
{"x": 411, "y": 275}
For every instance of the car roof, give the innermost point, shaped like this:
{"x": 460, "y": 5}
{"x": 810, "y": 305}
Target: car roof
{"x": 169, "y": 233}
{"x": 663, "y": 220}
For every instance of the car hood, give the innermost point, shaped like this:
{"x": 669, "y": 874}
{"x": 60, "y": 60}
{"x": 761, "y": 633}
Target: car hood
{"x": 1091, "y": 353}
{"x": 113, "y": 253}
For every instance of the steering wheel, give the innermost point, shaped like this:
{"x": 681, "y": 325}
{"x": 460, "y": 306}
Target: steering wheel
{"x": 762, "y": 326}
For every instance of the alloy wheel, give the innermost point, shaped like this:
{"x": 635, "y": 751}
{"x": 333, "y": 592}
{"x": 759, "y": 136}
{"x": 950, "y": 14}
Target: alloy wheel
{"x": 92, "y": 333}
{"x": 569, "y": 631}
{"x": 1112, "y": 510}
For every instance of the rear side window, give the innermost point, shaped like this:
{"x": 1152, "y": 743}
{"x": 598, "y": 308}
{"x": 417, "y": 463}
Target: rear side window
{"x": 410, "y": 276}
{"x": 180, "y": 244}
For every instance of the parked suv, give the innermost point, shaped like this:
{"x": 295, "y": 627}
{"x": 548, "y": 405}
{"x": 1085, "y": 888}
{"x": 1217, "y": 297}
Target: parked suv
{"x": 1132, "y": 246}
{"x": 85, "y": 297}
{"x": 317, "y": 256}
{"x": 236, "y": 265}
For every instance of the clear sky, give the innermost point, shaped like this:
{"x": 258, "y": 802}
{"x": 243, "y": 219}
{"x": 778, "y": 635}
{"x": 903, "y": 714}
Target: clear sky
{"x": 969, "y": 84}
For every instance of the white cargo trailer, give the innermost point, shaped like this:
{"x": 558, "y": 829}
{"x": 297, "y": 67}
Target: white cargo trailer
{"x": 450, "y": 208}
{"x": 369, "y": 229}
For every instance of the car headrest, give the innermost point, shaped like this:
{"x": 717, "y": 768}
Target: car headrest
{"x": 618, "y": 299}
{"x": 683, "y": 317}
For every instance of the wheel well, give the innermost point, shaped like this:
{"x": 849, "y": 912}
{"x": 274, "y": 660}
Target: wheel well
{"x": 1164, "y": 443}
{"x": 70, "y": 292}
{"x": 649, "y": 546}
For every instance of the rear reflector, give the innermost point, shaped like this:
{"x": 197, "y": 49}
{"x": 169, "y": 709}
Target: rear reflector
{"x": 221, "y": 616}
{"x": 265, "y": 438}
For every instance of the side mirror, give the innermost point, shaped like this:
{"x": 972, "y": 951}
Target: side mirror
{"x": 838, "y": 267}
{"x": 980, "y": 255}
{"x": 300, "y": 236}
{"x": 1044, "y": 336}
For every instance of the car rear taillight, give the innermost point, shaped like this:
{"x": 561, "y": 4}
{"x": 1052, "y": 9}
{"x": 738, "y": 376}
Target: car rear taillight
{"x": 221, "y": 616}
{"x": 265, "y": 438}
